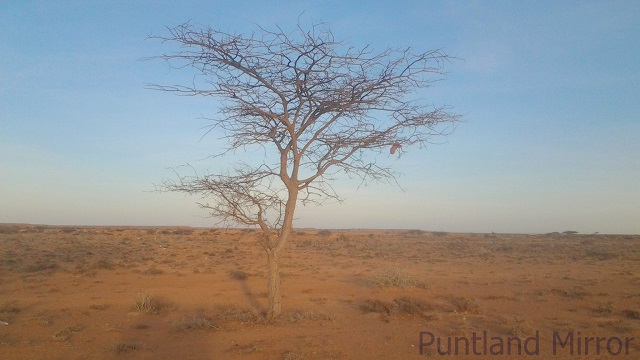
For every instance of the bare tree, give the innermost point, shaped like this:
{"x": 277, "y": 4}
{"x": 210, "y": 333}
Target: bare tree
{"x": 317, "y": 105}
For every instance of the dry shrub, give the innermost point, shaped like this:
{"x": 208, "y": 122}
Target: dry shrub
{"x": 66, "y": 333}
{"x": 631, "y": 314}
{"x": 342, "y": 238}
{"x": 600, "y": 254}
{"x": 99, "y": 306}
{"x": 238, "y": 275}
{"x": 293, "y": 356}
{"x": 104, "y": 264}
{"x": 9, "y": 308}
{"x": 603, "y": 309}
{"x": 182, "y": 231}
{"x": 153, "y": 271}
{"x": 150, "y": 304}
{"x": 405, "y": 305}
{"x": 464, "y": 304}
{"x": 412, "y": 306}
{"x": 198, "y": 322}
{"x": 377, "y": 306}
{"x": 576, "y": 293}
{"x": 324, "y": 233}
{"x": 299, "y": 315}
{"x": 128, "y": 346}
{"x": 389, "y": 278}
{"x": 45, "y": 265}
{"x": 234, "y": 313}
{"x": 9, "y": 229}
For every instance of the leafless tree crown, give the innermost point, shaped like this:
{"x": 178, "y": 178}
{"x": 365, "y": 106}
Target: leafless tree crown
{"x": 317, "y": 104}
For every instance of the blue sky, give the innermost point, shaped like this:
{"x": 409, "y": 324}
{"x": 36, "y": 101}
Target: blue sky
{"x": 549, "y": 91}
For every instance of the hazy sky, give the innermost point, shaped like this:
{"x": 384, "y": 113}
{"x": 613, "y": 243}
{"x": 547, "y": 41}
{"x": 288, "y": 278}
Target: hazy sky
{"x": 549, "y": 90}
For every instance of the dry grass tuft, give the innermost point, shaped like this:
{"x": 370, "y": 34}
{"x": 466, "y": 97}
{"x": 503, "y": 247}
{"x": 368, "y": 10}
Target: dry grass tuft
{"x": 128, "y": 346}
{"x": 66, "y": 333}
{"x": 405, "y": 305}
{"x": 464, "y": 304}
{"x": 99, "y": 306}
{"x": 377, "y": 306}
{"x": 295, "y": 316}
{"x": 413, "y": 306}
{"x": 603, "y": 309}
{"x": 233, "y": 313}
{"x": 150, "y": 304}
{"x": 198, "y": 322}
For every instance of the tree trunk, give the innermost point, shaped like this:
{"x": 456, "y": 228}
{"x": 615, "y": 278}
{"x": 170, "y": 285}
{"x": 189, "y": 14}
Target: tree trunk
{"x": 273, "y": 256}
{"x": 275, "y": 294}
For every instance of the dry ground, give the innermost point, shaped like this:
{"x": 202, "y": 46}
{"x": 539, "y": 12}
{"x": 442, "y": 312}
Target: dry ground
{"x": 183, "y": 293}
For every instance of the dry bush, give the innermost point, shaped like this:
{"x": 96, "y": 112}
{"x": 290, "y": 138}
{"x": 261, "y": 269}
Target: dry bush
{"x": 9, "y": 229}
{"x": 99, "y": 306}
{"x": 225, "y": 313}
{"x": 389, "y": 278}
{"x": 342, "y": 238}
{"x": 464, "y": 304}
{"x": 324, "y": 233}
{"x": 292, "y": 356}
{"x": 9, "y": 308}
{"x": 238, "y": 275}
{"x": 150, "y": 304}
{"x": 198, "y": 322}
{"x": 295, "y": 316}
{"x": 44, "y": 265}
{"x": 405, "y": 305}
{"x": 128, "y": 346}
{"x": 184, "y": 231}
{"x": 603, "y": 309}
{"x": 66, "y": 333}
{"x": 575, "y": 293}
{"x": 104, "y": 264}
{"x": 153, "y": 271}
{"x": 631, "y": 314}
{"x": 600, "y": 254}
{"x": 412, "y": 306}
{"x": 377, "y": 306}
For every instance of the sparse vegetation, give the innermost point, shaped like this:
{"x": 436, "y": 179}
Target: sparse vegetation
{"x": 464, "y": 304}
{"x": 153, "y": 271}
{"x": 198, "y": 322}
{"x": 631, "y": 314}
{"x": 99, "y": 306}
{"x": 377, "y": 306}
{"x": 238, "y": 275}
{"x": 413, "y": 306}
{"x": 87, "y": 304}
{"x": 128, "y": 346}
{"x": 150, "y": 304}
{"x": 324, "y": 233}
{"x": 389, "y": 278}
{"x": 66, "y": 333}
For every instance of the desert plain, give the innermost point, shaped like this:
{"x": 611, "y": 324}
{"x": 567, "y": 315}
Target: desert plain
{"x": 195, "y": 293}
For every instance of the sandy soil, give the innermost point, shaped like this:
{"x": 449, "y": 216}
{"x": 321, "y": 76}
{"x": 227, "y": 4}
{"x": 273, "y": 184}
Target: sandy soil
{"x": 183, "y": 293}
